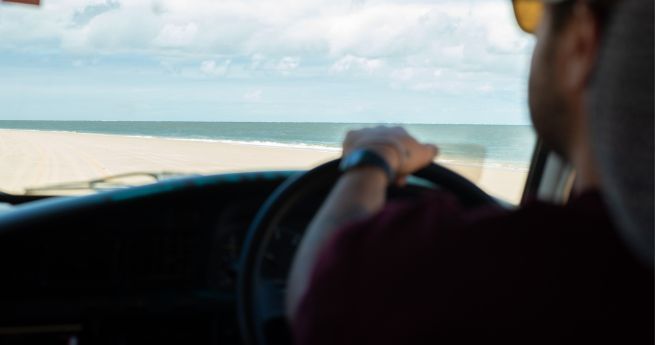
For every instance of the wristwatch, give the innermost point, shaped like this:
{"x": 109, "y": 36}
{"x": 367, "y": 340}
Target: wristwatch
{"x": 366, "y": 158}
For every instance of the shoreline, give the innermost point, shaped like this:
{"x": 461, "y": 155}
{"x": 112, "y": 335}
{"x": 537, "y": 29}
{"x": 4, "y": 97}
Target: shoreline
{"x": 207, "y": 140}
{"x": 443, "y": 158}
{"x": 30, "y": 158}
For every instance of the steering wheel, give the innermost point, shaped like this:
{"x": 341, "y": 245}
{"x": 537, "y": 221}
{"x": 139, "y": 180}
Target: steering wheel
{"x": 260, "y": 300}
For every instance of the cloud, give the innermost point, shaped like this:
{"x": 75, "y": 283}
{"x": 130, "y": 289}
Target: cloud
{"x": 210, "y": 68}
{"x": 85, "y": 15}
{"x": 350, "y": 63}
{"x": 486, "y": 88}
{"x": 253, "y": 96}
{"x": 403, "y": 74}
{"x": 176, "y": 35}
{"x": 158, "y": 8}
{"x": 339, "y": 28}
{"x": 463, "y": 47}
{"x": 287, "y": 64}
{"x": 256, "y": 61}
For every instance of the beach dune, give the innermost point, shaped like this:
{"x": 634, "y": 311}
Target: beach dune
{"x": 37, "y": 158}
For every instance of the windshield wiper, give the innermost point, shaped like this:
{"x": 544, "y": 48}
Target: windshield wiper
{"x": 107, "y": 183}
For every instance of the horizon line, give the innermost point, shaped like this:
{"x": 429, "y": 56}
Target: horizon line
{"x": 298, "y": 122}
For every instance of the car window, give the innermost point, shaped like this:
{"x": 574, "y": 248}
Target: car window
{"x": 154, "y": 89}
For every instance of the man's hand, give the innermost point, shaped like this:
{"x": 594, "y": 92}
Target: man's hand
{"x": 358, "y": 194}
{"x": 404, "y": 154}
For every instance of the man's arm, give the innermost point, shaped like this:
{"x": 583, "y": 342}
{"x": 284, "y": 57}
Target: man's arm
{"x": 357, "y": 195}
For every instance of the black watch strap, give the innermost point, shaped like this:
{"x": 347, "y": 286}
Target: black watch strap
{"x": 366, "y": 158}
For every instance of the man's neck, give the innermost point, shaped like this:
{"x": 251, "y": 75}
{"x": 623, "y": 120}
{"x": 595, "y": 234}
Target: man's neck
{"x": 580, "y": 153}
{"x": 582, "y": 159}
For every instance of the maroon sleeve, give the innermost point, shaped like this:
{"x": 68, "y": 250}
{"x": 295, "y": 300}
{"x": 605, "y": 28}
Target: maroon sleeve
{"x": 430, "y": 272}
{"x": 368, "y": 268}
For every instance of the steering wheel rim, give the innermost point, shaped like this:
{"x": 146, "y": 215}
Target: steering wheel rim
{"x": 279, "y": 203}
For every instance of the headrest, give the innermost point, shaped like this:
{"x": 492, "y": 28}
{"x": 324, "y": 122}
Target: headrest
{"x": 621, "y": 105}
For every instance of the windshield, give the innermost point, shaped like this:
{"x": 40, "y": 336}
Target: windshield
{"x": 95, "y": 89}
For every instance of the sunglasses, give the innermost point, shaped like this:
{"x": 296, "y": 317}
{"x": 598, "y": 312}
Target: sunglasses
{"x": 529, "y": 13}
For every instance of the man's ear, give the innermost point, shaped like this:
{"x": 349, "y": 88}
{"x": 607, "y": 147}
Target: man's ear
{"x": 581, "y": 47}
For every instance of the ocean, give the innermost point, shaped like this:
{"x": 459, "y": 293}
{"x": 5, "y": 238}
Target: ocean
{"x": 497, "y": 145}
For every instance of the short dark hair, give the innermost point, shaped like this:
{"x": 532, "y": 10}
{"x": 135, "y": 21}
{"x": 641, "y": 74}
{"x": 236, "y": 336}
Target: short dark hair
{"x": 602, "y": 9}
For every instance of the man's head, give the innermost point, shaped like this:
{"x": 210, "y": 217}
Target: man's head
{"x": 568, "y": 39}
{"x": 591, "y": 96}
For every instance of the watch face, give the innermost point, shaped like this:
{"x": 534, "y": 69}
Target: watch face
{"x": 357, "y": 157}
{"x": 363, "y": 157}
{"x": 352, "y": 159}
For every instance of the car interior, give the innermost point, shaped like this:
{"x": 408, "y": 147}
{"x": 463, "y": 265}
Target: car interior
{"x": 204, "y": 259}
{"x": 166, "y": 262}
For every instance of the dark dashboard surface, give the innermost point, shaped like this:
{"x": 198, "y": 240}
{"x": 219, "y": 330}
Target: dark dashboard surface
{"x": 150, "y": 264}
{"x": 153, "y": 263}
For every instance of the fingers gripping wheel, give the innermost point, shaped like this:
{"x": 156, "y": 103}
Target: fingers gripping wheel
{"x": 261, "y": 301}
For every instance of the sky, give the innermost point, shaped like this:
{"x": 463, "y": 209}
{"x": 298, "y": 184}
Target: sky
{"x": 396, "y": 61}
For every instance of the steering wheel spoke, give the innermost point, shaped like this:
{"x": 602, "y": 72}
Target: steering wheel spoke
{"x": 270, "y": 299}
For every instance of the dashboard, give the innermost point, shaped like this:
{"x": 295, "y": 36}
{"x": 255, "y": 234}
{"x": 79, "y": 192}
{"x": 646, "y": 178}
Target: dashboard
{"x": 155, "y": 263}
{"x": 150, "y": 264}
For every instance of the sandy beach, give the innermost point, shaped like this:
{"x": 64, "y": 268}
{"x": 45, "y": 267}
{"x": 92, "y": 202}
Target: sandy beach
{"x": 38, "y": 158}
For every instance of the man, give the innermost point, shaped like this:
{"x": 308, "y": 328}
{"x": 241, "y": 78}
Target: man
{"x": 429, "y": 271}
